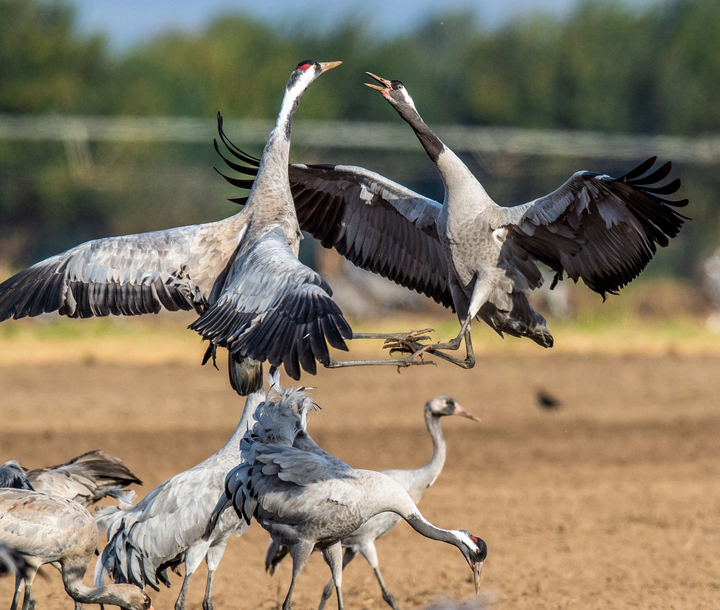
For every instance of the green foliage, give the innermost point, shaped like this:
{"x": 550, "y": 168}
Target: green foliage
{"x": 605, "y": 67}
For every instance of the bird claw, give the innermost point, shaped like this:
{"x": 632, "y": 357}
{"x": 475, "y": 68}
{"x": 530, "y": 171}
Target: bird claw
{"x": 407, "y": 343}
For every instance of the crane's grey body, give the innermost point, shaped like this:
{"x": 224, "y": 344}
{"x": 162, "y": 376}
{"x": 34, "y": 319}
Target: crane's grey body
{"x": 415, "y": 482}
{"x": 307, "y": 499}
{"x": 473, "y": 255}
{"x": 45, "y": 529}
{"x": 166, "y": 527}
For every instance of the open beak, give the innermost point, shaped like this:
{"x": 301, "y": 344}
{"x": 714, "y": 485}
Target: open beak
{"x": 463, "y": 413}
{"x": 387, "y": 85}
{"x": 477, "y": 570}
{"x": 328, "y": 65}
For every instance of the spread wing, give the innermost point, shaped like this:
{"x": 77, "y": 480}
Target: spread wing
{"x": 375, "y": 223}
{"x": 85, "y": 479}
{"x": 127, "y": 275}
{"x": 602, "y": 229}
{"x": 274, "y": 308}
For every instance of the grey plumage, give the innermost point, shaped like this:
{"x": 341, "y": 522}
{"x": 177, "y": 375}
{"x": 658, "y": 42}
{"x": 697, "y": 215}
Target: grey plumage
{"x": 284, "y": 318}
{"x": 415, "y": 482}
{"x": 13, "y": 476}
{"x": 86, "y": 478}
{"x": 308, "y": 499}
{"x": 473, "y": 255}
{"x": 45, "y": 529}
{"x": 165, "y": 529}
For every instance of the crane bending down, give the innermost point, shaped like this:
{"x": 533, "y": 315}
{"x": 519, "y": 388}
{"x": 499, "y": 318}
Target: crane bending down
{"x": 415, "y": 482}
{"x": 240, "y": 274}
{"x": 471, "y": 254}
{"x": 45, "y": 529}
{"x": 166, "y": 527}
{"x": 309, "y": 500}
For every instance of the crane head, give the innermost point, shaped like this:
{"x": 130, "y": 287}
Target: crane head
{"x": 475, "y": 551}
{"x": 393, "y": 91}
{"x": 445, "y": 405}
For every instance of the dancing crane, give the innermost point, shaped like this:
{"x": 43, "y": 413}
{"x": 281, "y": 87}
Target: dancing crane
{"x": 471, "y": 254}
{"x": 240, "y": 274}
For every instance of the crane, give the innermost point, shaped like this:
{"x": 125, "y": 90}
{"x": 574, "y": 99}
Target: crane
{"x": 415, "y": 482}
{"x": 307, "y": 499}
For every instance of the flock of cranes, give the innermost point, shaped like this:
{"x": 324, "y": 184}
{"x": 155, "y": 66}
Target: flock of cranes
{"x": 257, "y": 300}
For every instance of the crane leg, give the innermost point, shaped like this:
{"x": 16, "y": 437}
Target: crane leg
{"x": 212, "y": 559}
{"x": 29, "y": 598}
{"x": 387, "y": 596}
{"x": 19, "y": 587}
{"x": 193, "y": 557}
{"x": 333, "y": 557}
{"x": 369, "y": 551}
{"x": 396, "y": 342}
{"x": 300, "y": 553}
{"x": 327, "y": 591}
{"x": 480, "y": 295}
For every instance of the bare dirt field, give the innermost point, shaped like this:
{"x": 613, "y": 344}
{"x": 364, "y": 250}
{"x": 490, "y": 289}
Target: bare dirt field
{"x": 610, "y": 501}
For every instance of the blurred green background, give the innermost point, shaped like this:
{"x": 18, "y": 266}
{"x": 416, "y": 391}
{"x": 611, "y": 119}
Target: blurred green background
{"x": 605, "y": 67}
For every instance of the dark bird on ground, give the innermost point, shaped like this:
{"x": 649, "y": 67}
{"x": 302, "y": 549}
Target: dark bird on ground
{"x": 415, "y": 482}
{"x": 165, "y": 529}
{"x": 546, "y": 400}
{"x": 471, "y": 254}
{"x": 45, "y": 529}
{"x": 309, "y": 500}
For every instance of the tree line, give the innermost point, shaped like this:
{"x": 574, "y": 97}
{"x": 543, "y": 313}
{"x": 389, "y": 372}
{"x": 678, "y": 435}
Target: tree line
{"x": 606, "y": 66}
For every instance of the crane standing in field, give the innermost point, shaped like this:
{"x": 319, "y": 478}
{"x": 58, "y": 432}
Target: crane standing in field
{"x": 415, "y": 482}
{"x": 45, "y": 529}
{"x": 471, "y": 254}
{"x": 166, "y": 527}
{"x": 309, "y": 500}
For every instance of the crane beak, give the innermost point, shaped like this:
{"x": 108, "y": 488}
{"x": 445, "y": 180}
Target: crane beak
{"x": 328, "y": 65}
{"x": 477, "y": 570}
{"x": 463, "y": 413}
{"x": 387, "y": 85}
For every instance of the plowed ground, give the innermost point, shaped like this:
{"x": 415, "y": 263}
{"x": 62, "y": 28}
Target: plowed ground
{"x": 610, "y": 501}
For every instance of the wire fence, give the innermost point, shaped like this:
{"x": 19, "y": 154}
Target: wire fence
{"x": 363, "y": 135}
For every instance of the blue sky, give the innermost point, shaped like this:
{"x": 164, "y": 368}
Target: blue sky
{"x": 127, "y": 22}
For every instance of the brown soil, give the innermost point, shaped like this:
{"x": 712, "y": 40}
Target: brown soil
{"x": 610, "y": 501}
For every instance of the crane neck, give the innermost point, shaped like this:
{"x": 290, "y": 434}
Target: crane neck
{"x": 273, "y": 170}
{"x": 252, "y": 402}
{"x": 459, "y": 182}
{"x": 429, "y": 473}
{"x": 399, "y": 502}
{"x": 122, "y": 595}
